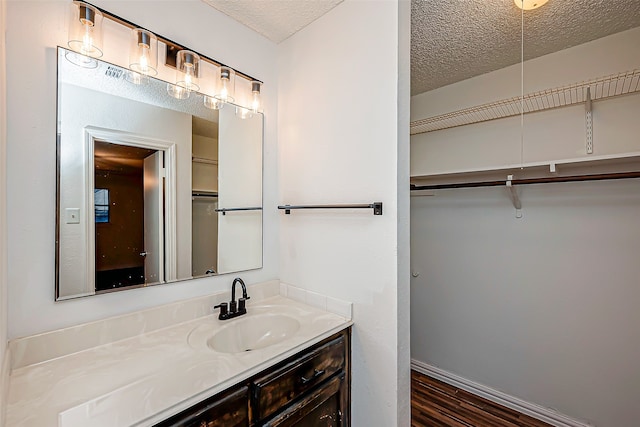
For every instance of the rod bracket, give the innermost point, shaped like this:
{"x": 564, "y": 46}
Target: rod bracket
{"x": 377, "y": 208}
{"x": 589, "y": 121}
{"x": 513, "y": 195}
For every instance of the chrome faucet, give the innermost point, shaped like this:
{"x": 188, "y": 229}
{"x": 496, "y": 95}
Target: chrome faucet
{"x": 233, "y": 308}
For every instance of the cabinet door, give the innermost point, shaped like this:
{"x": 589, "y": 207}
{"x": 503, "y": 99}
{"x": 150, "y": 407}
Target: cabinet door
{"x": 323, "y": 407}
{"x": 230, "y": 409}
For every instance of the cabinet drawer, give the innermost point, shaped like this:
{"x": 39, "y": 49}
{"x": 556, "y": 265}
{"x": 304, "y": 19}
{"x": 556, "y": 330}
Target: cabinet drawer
{"x": 230, "y": 409}
{"x": 273, "y": 391}
{"x": 320, "y": 408}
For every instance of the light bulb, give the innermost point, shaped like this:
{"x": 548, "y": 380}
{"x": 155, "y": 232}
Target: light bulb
{"x": 144, "y": 62}
{"x": 529, "y": 4}
{"x": 87, "y": 42}
{"x": 255, "y": 103}
{"x": 224, "y": 93}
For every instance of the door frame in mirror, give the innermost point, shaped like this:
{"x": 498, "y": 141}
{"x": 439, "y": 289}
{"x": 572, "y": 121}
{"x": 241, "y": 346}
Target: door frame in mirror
{"x": 91, "y": 134}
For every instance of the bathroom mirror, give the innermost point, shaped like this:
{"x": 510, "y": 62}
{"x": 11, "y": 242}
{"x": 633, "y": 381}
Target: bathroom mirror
{"x": 151, "y": 189}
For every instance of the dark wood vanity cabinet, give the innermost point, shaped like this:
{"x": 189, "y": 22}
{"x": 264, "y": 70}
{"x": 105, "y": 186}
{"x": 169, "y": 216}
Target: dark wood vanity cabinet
{"x": 309, "y": 389}
{"x": 227, "y": 409}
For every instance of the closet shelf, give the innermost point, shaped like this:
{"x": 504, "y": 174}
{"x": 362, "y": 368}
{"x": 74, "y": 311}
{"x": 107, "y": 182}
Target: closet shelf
{"x": 576, "y": 167}
{"x": 600, "y": 88}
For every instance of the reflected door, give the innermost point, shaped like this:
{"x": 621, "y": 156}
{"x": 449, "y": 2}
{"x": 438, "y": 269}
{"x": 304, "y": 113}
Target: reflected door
{"x": 153, "y": 224}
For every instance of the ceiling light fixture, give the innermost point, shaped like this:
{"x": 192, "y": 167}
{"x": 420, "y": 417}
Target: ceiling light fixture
{"x": 529, "y": 4}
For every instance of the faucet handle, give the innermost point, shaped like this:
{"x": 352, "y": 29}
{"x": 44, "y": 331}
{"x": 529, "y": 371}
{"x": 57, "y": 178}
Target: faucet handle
{"x": 224, "y": 308}
{"x": 242, "y": 304}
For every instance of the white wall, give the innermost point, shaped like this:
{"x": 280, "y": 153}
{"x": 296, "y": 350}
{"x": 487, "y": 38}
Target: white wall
{"x": 340, "y": 112}
{"x": 3, "y": 208}
{"x": 34, "y": 29}
{"x": 549, "y": 135}
{"x": 117, "y": 114}
{"x": 544, "y": 307}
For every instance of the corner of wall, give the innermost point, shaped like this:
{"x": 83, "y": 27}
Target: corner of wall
{"x": 4, "y": 374}
{"x": 403, "y": 230}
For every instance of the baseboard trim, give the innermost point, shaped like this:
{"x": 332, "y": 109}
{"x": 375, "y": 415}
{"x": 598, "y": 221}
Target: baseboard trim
{"x": 5, "y": 369}
{"x": 541, "y": 413}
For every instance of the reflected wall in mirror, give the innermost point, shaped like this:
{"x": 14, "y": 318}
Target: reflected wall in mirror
{"x": 151, "y": 189}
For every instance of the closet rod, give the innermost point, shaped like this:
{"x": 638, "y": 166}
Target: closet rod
{"x": 203, "y": 195}
{"x": 545, "y": 180}
{"x": 225, "y": 210}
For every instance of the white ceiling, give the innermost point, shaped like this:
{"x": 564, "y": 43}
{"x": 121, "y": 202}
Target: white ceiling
{"x": 453, "y": 40}
{"x": 274, "y": 19}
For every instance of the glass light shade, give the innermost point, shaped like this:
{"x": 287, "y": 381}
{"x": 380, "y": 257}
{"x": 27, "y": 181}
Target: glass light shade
{"x": 143, "y": 52}
{"x": 529, "y": 4}
{"x": 225, "y": 88}
{"x": 85, "y": 30}
{"x": 177, "y": 92}
{"x": 136, "y": 78}
{"x": 256, "y": 102}
{"x": 213, "y": 103}
{"x": 243, "y": 113}
{"x": 188, "y": 65}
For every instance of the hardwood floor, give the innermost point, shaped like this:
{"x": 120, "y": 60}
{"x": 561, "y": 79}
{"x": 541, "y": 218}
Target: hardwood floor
{"x": 437, "y": 404}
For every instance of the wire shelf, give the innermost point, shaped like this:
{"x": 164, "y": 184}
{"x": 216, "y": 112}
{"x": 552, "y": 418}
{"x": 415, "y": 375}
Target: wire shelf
{"x": 600, "y": 88}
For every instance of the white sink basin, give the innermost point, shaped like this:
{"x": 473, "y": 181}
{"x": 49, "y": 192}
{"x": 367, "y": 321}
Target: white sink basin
{"x": 253, "y": 333}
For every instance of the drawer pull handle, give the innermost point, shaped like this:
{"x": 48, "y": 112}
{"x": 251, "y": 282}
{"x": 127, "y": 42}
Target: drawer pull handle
{"x": 316, "y": 374}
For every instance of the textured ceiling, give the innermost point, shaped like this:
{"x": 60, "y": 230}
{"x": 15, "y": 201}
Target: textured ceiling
{"x": 453, "y": 40}
{"x": 274, "y": 19}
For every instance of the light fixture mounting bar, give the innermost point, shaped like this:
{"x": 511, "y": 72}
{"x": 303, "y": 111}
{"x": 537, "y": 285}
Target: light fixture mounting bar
{"x": 172, "y": 47}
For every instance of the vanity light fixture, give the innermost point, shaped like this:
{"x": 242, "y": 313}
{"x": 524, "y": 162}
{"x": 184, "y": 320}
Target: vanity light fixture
{"x": 188, "y": 74}
{"x": 529, "y": 4}
{"x": 188, "y": 65}
{"x": 143, "y": 53}
{"x": 85, "y": 34}
{"x": 85, "y": 41}
{"x": 255, "y": 96}
{"x": 225, "y": 91}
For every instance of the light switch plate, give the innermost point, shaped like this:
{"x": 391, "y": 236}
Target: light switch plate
{"x": 72, "y": 215}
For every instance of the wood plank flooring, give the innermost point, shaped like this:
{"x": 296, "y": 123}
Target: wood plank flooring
{"x": 437, "y": 404}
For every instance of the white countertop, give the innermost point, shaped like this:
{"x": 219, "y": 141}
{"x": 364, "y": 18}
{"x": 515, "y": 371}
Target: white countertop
{"x": 147, "y": 378}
